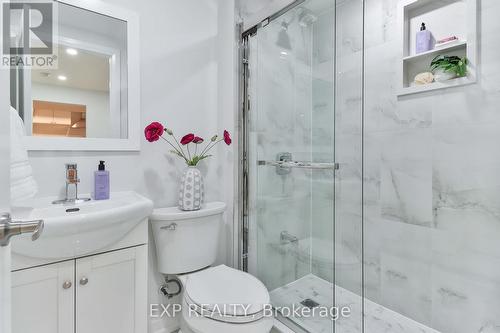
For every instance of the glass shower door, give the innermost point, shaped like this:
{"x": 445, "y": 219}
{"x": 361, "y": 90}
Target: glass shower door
{"x": 291, "y": 169}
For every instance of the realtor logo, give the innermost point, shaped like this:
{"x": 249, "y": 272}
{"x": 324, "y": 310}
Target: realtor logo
{"x": 28, "y": 34}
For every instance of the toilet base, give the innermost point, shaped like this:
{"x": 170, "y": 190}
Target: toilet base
{"x": 230, "y": 329}
{"x": 207, "y": 325}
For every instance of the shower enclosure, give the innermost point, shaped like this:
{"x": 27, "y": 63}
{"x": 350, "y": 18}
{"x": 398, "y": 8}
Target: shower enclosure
{"x": 364, "y": 191}
{"x": 300, "y": 157}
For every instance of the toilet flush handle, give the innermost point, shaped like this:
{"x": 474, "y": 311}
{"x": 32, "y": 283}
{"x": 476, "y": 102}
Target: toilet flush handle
{"x": 171, "y": 226}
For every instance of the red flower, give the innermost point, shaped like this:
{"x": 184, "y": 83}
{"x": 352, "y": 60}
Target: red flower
{"x": 188, "y": 138}
{"x": 198, "y": 140}
{"x": 153, "y": 131}
{"x": 227, "y": 138}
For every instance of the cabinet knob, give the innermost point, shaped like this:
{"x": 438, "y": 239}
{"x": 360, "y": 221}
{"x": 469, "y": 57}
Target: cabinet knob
{"x": 67, "y": 285}
{"x": 84, "y": 281}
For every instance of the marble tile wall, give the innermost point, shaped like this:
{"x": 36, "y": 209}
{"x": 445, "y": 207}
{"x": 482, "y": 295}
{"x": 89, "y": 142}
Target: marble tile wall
{"x": 432, "y": 182}
{"x": 323, "y": 145}
{"x": 348, "y": 153}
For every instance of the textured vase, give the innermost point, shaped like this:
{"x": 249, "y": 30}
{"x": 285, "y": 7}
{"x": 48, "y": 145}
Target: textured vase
{"x": 191, "y": 191}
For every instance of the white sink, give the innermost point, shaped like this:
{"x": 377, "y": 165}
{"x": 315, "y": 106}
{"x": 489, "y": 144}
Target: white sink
{"x": 80, "y": 229}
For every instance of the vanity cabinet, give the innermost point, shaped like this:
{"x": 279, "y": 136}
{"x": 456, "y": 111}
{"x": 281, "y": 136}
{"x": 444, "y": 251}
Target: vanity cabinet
{"x": 109, "y": 296}
{"x": 43, "y": 299}
{"x": 102, "y": 293}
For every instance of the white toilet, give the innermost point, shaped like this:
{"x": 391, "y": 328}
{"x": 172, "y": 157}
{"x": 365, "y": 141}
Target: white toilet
{"x": 214, "y": 299}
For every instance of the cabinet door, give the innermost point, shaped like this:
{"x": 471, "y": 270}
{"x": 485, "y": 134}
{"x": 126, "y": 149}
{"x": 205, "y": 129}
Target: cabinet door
{"x": 111, "y": 295}
{"x": 43, "y": 299}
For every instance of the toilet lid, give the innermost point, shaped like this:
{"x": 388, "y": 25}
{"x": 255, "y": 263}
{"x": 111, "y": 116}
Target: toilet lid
{"x": 226, "y": 294}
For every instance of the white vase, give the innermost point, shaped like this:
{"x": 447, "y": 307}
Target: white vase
{"x": 441, "y": 76}
{"x": 191, "y": 191}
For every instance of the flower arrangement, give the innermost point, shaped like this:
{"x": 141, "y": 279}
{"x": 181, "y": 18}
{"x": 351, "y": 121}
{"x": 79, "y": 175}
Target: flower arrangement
{"x": 155, "y": 131}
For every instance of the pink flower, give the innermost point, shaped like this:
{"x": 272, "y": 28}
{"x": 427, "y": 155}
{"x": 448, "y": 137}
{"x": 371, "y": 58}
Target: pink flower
{"x": 188, "y": 138}
{"x": 153, "y": 131}
{"x": 227, "y": 138}
{"x": 198, "y": 140}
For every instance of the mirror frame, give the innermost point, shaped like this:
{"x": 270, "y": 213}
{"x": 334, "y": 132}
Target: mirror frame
{"x": 132, "y": 142}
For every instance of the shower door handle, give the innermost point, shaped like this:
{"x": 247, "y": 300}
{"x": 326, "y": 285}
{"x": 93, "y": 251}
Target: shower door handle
{"x": 301, "y": 165}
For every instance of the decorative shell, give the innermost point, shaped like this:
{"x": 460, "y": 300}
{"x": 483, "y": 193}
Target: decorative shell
{"x": 424, "y": 78}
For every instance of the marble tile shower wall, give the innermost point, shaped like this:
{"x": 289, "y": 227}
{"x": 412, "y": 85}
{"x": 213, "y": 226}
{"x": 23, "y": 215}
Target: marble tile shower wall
{"x": 323, "y": 144}
{"x": 348, "y": 146}
{"x": 432, "y": 183}
{"x": 348, "y": 152}
{"x": 282, "y": 123}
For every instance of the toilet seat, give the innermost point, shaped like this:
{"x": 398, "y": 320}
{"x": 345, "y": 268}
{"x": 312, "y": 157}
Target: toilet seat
{"x": 226, "y": 295}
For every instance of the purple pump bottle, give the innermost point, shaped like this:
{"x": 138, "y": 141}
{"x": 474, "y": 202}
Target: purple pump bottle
{"x": 101, "y": 182}
{"x": 424, "y": 40}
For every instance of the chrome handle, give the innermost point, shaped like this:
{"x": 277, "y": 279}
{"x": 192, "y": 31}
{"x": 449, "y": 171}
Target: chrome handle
{"x": 84, "y": 281}
{"x": 286, "y": 237}
{"x": 8, "y": 228}
{"x": 67, "y": 285}
{"x": 301, "y": 165}
{"x": 171, "y": 226}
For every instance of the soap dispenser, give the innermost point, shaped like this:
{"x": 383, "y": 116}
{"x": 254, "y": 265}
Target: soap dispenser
{"x": 101, "y": 182}
{"x": 424, "y": 40}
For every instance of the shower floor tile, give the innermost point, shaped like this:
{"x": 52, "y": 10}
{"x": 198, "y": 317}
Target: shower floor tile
{"x": 378, "y": 319}
{"x": 308, "y": 287}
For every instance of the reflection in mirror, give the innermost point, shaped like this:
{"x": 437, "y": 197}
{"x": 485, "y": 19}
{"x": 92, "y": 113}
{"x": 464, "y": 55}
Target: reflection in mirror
{"x": 86, "y": 95}
{"x": 59, "y": 119}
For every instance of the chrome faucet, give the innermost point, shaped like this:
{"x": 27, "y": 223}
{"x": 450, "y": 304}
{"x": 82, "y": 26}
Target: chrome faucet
{"x": 71, "y": 179}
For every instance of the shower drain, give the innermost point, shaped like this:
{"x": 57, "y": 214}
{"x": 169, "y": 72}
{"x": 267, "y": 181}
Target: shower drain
{"x": 309, "y": 303}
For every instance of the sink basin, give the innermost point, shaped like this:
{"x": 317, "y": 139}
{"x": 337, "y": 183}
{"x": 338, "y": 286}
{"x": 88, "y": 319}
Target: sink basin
{"x": 79, "y": 229}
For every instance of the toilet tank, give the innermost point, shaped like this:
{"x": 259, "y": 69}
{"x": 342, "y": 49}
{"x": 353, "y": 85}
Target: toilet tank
{"x": 186, "y": 241}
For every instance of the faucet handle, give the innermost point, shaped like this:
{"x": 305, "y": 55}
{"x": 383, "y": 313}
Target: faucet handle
{"x": 72, "y": 173}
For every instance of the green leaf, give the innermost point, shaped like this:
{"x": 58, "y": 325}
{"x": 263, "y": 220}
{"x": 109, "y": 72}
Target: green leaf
{"x": 206, "y": 156}
{"x": 175, "y": 152}
{"x": 451, "y": 64}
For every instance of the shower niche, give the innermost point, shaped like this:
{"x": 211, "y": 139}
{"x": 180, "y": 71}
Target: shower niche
{"x": 445, "y": 19}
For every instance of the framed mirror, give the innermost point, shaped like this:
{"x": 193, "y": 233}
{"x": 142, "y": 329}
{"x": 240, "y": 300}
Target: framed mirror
{"x": 90, "y": 99}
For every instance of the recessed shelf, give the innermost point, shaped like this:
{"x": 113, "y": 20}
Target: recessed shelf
{"x": 461, "y": 81}
{"x": 443, "y": 19}
{"x": 456, "y": 46}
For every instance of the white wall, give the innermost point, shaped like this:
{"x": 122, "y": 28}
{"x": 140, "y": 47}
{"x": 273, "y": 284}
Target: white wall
{"x": 188, "y": 83}
{"x": 97, "y": 103}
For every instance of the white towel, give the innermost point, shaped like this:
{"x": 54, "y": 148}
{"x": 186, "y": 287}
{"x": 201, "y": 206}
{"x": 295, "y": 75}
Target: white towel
{"x": 22, "y": 184}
